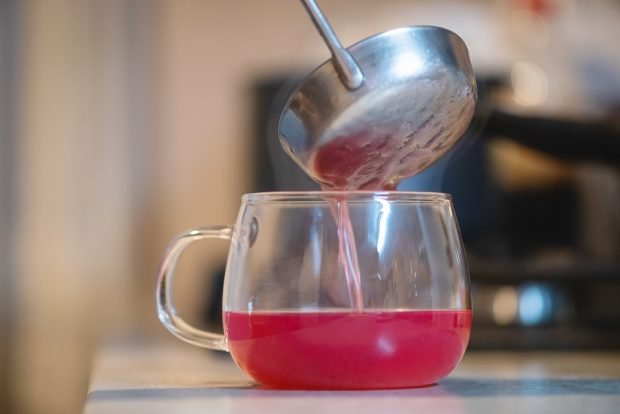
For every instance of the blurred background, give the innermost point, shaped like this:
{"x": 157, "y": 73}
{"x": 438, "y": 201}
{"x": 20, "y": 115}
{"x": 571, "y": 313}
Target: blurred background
{"x": 124, "y": 122}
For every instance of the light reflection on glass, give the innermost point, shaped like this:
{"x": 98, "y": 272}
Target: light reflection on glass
{"x": 383, "y": 224}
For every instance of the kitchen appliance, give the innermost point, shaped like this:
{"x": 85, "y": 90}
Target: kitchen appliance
{"x": 536, "y": 251}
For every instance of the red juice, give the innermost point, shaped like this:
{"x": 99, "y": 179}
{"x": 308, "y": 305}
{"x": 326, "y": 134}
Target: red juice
{"x": 347, "y": 253}
{"x": 336, "y": 164}
{"x": 347, "y": 349}
{"x": 359, "y": 163}
{"x": 366, "y": 163}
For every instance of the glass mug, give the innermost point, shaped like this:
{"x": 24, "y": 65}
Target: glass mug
{"x": 289, "y": 310}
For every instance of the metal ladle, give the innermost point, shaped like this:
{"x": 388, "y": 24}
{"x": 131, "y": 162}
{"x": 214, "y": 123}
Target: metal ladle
{"x": 405, "y": 96}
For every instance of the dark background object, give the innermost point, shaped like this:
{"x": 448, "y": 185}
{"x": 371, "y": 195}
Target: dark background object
{"x": 523, "y": 245}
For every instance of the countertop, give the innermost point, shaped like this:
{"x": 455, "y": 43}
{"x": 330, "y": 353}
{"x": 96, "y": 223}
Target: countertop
{"x": 177, "y": 378}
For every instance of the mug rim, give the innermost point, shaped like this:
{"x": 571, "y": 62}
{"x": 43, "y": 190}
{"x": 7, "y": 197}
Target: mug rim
{"x": 356, "y": 195}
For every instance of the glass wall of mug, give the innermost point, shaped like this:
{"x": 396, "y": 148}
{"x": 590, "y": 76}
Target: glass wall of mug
{"x": 287, "y": 252}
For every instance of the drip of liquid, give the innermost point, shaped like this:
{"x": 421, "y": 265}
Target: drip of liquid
{"x": 334, "y": 165}
{"x": 348, "y": 350}
{"x": 347, "y": 253}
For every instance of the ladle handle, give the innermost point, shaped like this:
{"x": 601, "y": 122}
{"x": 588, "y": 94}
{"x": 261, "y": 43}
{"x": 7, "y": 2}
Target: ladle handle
{"x": 347, "y": 67}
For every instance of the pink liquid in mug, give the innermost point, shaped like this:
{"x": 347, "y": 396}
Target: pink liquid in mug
{"x": 348, "y": 349}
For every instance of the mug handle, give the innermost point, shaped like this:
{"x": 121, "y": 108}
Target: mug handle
{"x": 165, "y": 281}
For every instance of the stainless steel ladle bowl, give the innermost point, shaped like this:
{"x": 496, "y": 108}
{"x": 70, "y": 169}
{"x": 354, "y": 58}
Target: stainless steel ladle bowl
{"x": 408, "y": 93}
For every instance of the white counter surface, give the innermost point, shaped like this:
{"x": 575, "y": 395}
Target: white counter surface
{"x": 177, "y": 378}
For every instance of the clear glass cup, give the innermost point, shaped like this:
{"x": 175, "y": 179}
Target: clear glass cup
{"x": 301, "y": 313}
